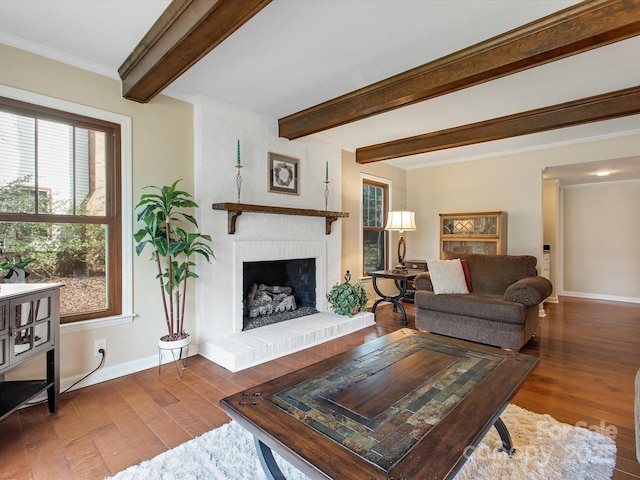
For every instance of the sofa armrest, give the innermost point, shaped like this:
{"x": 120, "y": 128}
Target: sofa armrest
{"x": 529, "y": 291}
{"x": 423, "y": 282}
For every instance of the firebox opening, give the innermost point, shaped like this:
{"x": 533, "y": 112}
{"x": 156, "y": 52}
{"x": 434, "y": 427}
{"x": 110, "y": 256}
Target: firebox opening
{"x": 294, "y": 277}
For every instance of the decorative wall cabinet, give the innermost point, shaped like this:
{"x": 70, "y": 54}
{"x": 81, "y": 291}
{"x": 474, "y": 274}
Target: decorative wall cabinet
{"x": 29, "y": 327}
{"x": 480, "y": 232}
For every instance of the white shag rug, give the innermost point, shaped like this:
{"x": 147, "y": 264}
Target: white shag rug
{"x": 545, "y": 449}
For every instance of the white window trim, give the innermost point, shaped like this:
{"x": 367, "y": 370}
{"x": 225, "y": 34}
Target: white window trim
{"x": 127, "y": 206}
{"x": 389, "y": 184}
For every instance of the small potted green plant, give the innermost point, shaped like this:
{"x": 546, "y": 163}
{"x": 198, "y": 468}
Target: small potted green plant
{"x": 173, "y": 249}
{"x": 347, "y": 298}
{"x": 15, "y": 269}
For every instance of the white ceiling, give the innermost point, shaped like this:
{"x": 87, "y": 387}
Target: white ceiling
{"x": 297, "y": 53}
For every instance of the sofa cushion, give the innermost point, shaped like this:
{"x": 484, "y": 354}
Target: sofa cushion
{"x": 492, "y": 274}
{"x": 447, "y": 276}
{"x": 489, "y": 307}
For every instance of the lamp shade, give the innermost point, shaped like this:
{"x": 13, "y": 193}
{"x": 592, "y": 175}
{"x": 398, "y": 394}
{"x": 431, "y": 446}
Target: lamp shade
{"x": 401, "y": 220}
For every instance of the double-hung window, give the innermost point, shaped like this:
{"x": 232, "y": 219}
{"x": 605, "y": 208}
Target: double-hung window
{"x": 60, "y": 204}
{"x": 375, "y": 238}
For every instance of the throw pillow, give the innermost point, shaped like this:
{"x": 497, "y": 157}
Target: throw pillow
{"x": 467, "y": 274}
{"x": 447, "y": 276}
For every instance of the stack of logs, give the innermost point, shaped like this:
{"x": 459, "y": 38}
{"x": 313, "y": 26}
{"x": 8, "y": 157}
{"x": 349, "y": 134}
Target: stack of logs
{"x": 266, "y": 300}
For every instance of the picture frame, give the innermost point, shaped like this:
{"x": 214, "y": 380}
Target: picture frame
{"x": 284, "y": 174}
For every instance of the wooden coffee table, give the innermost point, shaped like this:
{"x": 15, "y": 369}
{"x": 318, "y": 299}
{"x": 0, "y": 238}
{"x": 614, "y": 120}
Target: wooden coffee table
{"x": 409, "y": 405}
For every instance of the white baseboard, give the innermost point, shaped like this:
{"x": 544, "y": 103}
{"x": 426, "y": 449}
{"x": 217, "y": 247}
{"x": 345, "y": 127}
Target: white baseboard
{"x": 596, "y": 296}
{"x": 111, "y": 372}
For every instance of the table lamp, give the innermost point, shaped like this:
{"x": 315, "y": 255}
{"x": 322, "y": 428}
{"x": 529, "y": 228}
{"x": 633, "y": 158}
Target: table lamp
{"x": 401, "y": 221}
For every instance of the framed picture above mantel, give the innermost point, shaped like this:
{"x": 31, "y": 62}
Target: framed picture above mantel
{"x": 284, "y": 174}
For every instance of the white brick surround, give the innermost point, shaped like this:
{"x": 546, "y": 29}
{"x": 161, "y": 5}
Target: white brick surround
{"x": 262, "y": 236}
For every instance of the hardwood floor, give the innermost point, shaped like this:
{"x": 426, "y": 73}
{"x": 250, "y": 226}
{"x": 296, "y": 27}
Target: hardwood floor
{"x": 589, "y": 354}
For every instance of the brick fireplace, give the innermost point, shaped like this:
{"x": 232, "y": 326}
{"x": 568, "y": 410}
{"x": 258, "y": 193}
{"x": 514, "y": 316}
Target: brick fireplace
{"x": 289, "y": 284}
{"x": 241, "y": 349}
{"x": 279, "y": 230}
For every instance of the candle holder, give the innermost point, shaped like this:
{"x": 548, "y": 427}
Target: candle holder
{"x": 238, "y": 176}
{"x": 238, "y": 180}
{"x": 326, "y": 194}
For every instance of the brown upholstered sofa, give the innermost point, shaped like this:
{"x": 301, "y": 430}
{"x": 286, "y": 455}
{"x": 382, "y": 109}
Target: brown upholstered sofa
{"x": 501, "y": 310}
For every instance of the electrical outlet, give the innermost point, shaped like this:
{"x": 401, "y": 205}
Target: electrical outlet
{"x": 100, "y": 344}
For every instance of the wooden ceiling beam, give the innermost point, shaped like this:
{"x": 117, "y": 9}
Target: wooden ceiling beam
{"x": 185, "y": 32}
{"x": 592, "y": 109}
{"x": 585, "y": 26}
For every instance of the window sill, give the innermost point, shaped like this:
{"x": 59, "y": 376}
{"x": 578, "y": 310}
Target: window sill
{"x": 97, "y": 323}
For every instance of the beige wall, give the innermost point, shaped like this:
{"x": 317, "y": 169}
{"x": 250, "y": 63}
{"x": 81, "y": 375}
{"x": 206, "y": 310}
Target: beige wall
{"x": 162, "y": 151}
{"x": 352, "y": 173}
{"x": 495, "y": 184}
{"x": 512, "y": 183}
{"x": 601, "y": 236}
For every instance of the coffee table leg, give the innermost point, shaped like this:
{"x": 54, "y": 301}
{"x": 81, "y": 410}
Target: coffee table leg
{"x": 269, "y": 465}
{"x": 507, "y": 445}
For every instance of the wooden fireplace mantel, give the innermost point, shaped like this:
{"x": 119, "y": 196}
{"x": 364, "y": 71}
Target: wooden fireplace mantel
{"x": 234, "y": 210}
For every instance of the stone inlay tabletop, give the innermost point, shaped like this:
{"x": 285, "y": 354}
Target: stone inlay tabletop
{"x": 335, "y": 403}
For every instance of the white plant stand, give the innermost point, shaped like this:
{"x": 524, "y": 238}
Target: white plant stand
{"x": 179, "y": 351}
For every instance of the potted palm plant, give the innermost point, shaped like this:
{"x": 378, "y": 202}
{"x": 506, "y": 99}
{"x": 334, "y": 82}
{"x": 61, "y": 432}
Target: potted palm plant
{"x": 15, "y": 268}
{"x": 174, "y": 250}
